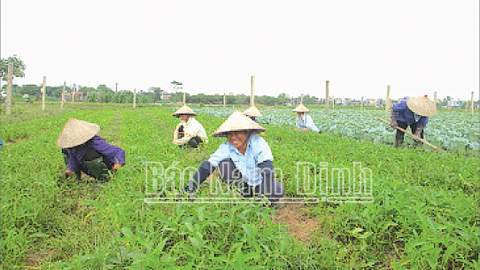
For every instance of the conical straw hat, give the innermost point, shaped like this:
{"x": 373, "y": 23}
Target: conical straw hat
{"x": 237, "y": 122}
{"x": 252, "y": 112}
{"x": 76, "y": 132}
{"x": 300, "y": 108}
{"x": 422, "y": 106}
{"x": 184, "y": 110}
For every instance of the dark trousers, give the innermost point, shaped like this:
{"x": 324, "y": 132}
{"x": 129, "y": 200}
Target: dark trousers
{"x": 192, "y": 143}
{"x": 269, "y": 188}
{"x": 97, "y": 165}
{"x": 400, "y": 135}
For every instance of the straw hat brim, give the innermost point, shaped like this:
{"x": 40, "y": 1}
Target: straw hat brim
{"x": 300, "y": 108}
{"x": 184, "y": 110}
{"x": 252, "y": 112}
{"x": 237, "y": 121}
{"x": 76, "y": 132}
{"x": 422, "y": 106}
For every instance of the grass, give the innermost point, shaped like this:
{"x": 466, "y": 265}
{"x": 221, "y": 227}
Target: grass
{"x": 425, "y": 213}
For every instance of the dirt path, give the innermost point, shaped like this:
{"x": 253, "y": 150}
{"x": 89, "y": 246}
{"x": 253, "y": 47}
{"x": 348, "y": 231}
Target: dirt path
{"x": 300, "y": 223}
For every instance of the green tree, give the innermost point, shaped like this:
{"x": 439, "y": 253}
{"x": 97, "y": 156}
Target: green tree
{"x": 177, "y": 86}
{"x": 18, "y": 67}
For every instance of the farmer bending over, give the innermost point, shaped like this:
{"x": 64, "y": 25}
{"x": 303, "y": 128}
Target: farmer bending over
{"x": 189, "y": 132}
{"x": 244, "y": 161}
{"x": 86, "y": 152}
{"x": 254, "y": 113}
{"x": 304, "y": 121}
{"x": 413, "y": 112}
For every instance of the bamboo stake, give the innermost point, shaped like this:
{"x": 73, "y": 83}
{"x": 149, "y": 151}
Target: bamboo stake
{"x": 252, "y": 92}
{"x": 9, "y": 101}
{"x": 63, "y": 94}
{"x": 184, "y": 99}
{"x": 224, "y": 100}
{"x": 387, "y": 101}
{"x": 327, "y": 99}
{"x": 73, "y": 93}
{"x": 43, "y": 92}
{"x": 472, "y": 103}
{"x": 435, "y": 99}
{"x": 415, "y": 137}
{"x": 361, "y": 103}
{"x": 333, "y": 102}
{"x": 135, "y": 97}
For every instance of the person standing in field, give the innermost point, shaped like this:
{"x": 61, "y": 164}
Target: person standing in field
{"x": 304, "y": 121}
{"x": 412, "y": 112}
{"x": 86, "y": 152}
{"x": 189, "y": 132}
{"x": 244, "y": 161}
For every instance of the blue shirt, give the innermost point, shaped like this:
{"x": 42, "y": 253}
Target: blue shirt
{"x": 257, "y": 152}
{"x": 114, "y": 154}
{"x": 307, "y": 122}
{"x": 406, "y": 115}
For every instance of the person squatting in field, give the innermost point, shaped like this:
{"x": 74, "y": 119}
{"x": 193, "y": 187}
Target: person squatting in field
{"x": 86, "y": 152}
{"x": 412, "y": 112}
{"x": 254, "y": 113}
{"x": 304, "y": 121}
{"x": 189, "y": 132}
{"x": 244, "y": 161}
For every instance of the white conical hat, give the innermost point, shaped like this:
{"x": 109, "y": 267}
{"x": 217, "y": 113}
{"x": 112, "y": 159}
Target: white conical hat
{"x": 184, "y": 110}
{"x": 300, "y": 108}
{"x": 76, "y": 132}
{"x": 237, "y": 122}
{"x": 252, "y": 112}
{"x": 422, "y": 106}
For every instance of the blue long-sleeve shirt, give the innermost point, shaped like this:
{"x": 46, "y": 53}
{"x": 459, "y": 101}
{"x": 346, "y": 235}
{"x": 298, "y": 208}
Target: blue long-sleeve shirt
{"x": 114, "y": 154}
{"x": 406, "y": 115}
{"x": 257, "y": 152}
{"x": 307, "y": 122}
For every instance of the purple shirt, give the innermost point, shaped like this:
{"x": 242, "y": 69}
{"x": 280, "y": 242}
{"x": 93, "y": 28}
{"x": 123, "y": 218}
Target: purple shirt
{"x": 406, "y": 115}
{"x": 114, "y": 154}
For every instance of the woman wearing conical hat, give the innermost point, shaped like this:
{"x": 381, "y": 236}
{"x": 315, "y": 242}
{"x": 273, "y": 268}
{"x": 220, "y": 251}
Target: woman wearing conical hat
{"x": 254, "y": 113}
{"x": 244, "y": 161}
{"x": 304, "y": 121}
{"x": 85, "y": 151}
{"x": 189, "y": 132}
{"x": 412, "y": 112}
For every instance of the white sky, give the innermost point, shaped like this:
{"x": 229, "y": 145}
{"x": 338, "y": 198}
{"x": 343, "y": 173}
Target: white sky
{"x": 215, "y": 46}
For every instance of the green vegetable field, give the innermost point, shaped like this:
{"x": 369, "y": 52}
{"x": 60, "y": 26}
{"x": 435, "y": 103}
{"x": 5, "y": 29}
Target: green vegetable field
{"x": 424, "y": 213}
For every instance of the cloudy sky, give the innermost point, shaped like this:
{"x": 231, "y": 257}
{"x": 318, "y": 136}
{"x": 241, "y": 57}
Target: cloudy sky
{"x": 215, "y": 46}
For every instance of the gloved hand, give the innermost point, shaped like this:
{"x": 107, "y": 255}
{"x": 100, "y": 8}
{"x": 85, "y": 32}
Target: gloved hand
{"x": 418, "y": 131}
{"x": 393, "y": 119}
{"x": 115, "y": 167}
{"x": 67, "y": 173}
